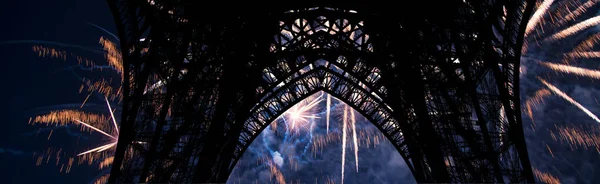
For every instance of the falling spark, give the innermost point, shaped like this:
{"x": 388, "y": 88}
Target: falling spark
{"x": 104, "y": 87}
{"x": 50, "y": 134}
{"x": 64, "y": 117}
{"x": 353, "y": 119}
{"x": 44, "y": 42}
{"x": 344, "y": 127}
{"x": 50, "y": 52}
{"x": 545, "y": 177}
{"x": 569, "y": 99}
{"x": 534, "y": 101}
{"x": 588, "y": 43}
{"x": 579, "y": 11}
{"x": 276, "y": 173}
{"x": 84, "y": 101}
{"x": 578, "y": 136}
{"x": 328, "y": 109}
{"x": 102, "y": 179}
{"x": 550, "y": 150}
{"x": 113, "y": 54}
{"x": 106, "y": 162}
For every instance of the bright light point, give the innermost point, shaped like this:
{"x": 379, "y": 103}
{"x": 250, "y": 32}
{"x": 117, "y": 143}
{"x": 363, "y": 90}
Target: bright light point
{"x": 295, "y": 115}
{"x": 113, "y": 137}
{"x": 300, "y": 114}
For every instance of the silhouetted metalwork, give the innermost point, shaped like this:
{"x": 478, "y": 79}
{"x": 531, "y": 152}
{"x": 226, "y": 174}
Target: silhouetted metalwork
{"x": 439, "y": 79}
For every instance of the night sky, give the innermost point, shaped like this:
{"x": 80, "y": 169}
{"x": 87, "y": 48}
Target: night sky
{"x": 32, "y": 85}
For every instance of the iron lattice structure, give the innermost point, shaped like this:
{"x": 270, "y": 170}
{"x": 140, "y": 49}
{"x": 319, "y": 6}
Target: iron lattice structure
{"x": 440, "y": 81}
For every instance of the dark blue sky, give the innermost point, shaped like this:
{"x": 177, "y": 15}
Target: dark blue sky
{"x": 30, "y": 83}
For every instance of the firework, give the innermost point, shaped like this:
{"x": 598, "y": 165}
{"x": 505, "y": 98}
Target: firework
{"x": 581, "y": 51}
{"x": 552, "y": 22}
{"x": 575, "y": 137}
{"x": 279, "y": 160}
{"x": 299, "y": 114}
{"x": 545, "y": 177}
{"x": 105, "y": 125}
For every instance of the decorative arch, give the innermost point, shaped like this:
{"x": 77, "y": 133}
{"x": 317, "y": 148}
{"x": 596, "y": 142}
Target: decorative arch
{"x": 309, "y": 83}
{"x": 316, "y": 53}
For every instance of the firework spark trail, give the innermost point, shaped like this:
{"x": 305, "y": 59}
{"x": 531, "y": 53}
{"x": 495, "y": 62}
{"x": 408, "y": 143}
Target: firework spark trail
{"x": 94, "y": 128}
{"x": 112, "y": 115}
{"x": 588, "y": 43}
{"x": 576, "y": 28}
{"x": 98, "y": 149}
{"x": 91, "y": 68}
{"x": 106, "y": 146}
{"x": 102, "y": 179}
{"x": 86, "y": 99}
{"x": 113, "y": 55}
{"x": 276, "y": 173}
{"x": 344, "y": 126}
{"x": 537, "y": 16}
{"x": 582, "y": 50}
{"x": 89, "y": 121}
{"x": 64, "y": 117}
{"x": 354, "y": 138}
{"x": 586, "y": 55}
{"x": 578, "y": 12}
{"x": 578, "y": 137}
{"x": 534, "y": 101}
{"x": 328, "y": 109}
{"x": 550, "y": 150}
{"x": 95, "y": 50}
{"x": 545, "y": 177}
{"x": 569, "y": 99}
{"x": 50, "y": 52}
{"x": 572, "y": 70}
{"x": 102, "y": 87}
{"x": 84, "y": 63}
{"x": 106, "y": 31}
{"x": 107, "y": 162}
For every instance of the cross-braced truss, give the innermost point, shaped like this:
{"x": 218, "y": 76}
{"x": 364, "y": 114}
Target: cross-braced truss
{"x": 440, "y": 86}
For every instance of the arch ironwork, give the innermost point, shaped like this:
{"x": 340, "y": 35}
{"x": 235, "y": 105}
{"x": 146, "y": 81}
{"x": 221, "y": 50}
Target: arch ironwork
{"x": 441, "y": 88}
{"x": 365, "y": 102}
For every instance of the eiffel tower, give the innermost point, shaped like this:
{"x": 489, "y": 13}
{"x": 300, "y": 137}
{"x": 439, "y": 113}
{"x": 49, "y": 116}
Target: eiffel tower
{"x": 438, "y": 78}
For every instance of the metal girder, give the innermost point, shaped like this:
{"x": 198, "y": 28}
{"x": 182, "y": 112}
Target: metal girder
{"x": 451, "y": 127}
